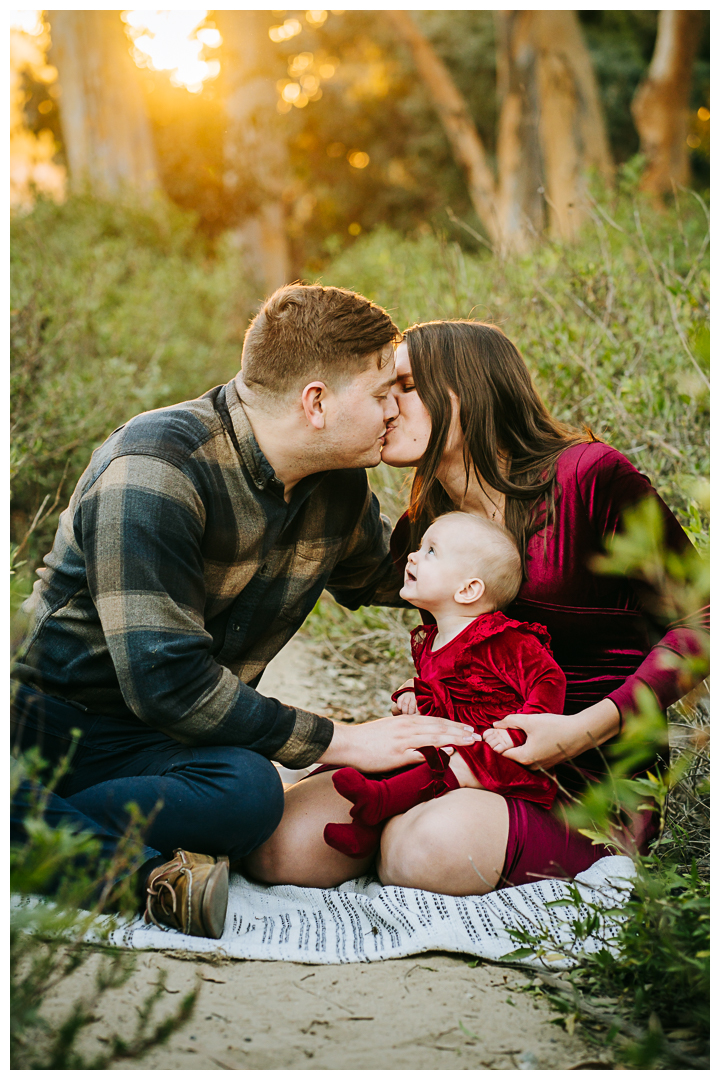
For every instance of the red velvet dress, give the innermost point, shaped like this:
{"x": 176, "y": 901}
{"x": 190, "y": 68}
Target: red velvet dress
{"x": 496, "y": 666}
{"x": 605, "y": 634}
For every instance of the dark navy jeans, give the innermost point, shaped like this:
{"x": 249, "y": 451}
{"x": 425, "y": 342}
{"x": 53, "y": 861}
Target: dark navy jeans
{"x": 217, "y": 800}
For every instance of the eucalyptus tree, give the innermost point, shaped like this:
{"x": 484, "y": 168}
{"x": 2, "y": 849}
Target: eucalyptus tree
{"x": 106, "y": 131}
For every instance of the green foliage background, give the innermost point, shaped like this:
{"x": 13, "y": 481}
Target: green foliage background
{"x": 114, "y": 310}
{"x": 118, "y": 309}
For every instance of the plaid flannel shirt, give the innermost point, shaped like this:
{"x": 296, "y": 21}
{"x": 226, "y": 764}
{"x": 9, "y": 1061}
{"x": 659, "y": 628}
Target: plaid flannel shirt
{"x": 178, "y": 571}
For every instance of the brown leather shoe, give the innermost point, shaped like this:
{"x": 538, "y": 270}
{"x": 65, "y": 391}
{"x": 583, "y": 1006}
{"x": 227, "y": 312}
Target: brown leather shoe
{"x": 189, "y": 893}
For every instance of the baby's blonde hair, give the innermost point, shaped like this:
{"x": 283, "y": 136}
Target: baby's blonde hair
{"x": 498, "y": 559}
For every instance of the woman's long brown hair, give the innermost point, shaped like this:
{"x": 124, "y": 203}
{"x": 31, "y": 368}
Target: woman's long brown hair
{"x": 500, "y": 410}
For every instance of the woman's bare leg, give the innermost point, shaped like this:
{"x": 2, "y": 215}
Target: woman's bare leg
{"x": 431, "y": 846}
{"x": 296, "y": 853}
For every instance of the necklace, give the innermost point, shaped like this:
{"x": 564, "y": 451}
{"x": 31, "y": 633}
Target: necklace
{"x": 495, "y": 511}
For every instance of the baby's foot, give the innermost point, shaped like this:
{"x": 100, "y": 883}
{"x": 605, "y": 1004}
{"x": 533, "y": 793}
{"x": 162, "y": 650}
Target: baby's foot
{"x": 356, "y": 840}
{"x": 375, "y": 801}
{"x": 367, "y": 796}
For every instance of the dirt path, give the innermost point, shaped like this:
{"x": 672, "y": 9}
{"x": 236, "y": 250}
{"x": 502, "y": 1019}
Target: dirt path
{"x": 424, "y": 1012}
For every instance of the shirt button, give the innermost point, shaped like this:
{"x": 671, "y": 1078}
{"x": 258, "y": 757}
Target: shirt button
{"x": 236, "y": 626}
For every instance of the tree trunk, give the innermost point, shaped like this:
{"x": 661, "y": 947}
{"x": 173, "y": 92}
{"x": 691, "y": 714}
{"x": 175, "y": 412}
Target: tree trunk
{"x": 520, "y": 203}
{"x": 551, "y": 129}
{"x": 106, "y": 130}
{"x": 256, "y": 160}
{"x": 572, "y": 133}
{"x": 459, "y": 126}
{"x": 660, "y": 105}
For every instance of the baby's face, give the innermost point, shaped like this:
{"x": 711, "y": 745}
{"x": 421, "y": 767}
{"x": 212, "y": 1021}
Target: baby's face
{"x": 438, "y": 568}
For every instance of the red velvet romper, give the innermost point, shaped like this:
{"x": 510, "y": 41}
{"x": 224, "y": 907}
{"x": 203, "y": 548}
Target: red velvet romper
{"x": 494, "y": 667}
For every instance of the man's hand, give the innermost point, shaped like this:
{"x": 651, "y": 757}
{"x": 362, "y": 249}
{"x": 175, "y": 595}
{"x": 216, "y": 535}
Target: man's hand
{"x": 392, "y": 741}
{"x": 552, "y": 738}
{"x": 406, "y": 705}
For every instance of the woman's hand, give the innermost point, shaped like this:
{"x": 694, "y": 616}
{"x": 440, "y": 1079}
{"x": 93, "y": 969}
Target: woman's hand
{"x": 552, "y": 738}
{"x": 392, "y": 741}
{"x": 406, "y": 705}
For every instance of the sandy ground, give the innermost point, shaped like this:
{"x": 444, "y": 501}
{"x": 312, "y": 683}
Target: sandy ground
{"x": 425, "y": 1012}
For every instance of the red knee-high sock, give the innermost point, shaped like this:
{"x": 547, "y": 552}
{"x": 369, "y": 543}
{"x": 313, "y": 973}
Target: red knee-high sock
{"x": 374, "y": 801}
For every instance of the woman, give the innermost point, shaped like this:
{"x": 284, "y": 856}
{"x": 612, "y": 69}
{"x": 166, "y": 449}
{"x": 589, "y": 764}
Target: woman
{"x": 471, "y": 421}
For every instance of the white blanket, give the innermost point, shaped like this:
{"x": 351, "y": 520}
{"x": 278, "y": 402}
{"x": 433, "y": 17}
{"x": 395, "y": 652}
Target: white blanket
{"x": 362, "y": 920}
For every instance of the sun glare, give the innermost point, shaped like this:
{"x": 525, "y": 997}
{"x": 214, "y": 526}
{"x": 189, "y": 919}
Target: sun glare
{"x": 171, "y": 41}
{"x": 30, "y": 22}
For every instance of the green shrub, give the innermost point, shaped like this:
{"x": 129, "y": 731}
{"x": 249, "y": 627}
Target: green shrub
{"x": 646, "y": 993}
{"x": 115, "y": 309}
{"x": 47, "y": 943}
{"x": 662, "y": 965}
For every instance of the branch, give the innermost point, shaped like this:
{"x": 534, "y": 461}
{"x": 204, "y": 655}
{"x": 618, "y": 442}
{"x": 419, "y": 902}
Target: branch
{"x": 455, "y": 116}
{"x": 42, "y": 514}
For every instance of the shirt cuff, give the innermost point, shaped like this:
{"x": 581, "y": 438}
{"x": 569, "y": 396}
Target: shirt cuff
{"x": 309, "y": 740}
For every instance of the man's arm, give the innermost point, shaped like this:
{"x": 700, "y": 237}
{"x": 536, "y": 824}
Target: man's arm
{"x": 142, "y": 525}
{"x": 366, "y": 573}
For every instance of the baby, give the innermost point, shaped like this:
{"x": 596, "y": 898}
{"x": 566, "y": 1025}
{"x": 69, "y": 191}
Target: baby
{"x": 474, "y": 665}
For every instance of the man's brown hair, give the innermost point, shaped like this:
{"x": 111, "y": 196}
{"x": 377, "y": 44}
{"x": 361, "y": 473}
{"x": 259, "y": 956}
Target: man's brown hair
{"x": 306, "y": 332}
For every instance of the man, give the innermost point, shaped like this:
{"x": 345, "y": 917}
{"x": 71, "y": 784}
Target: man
{"x": 194, "y": 546}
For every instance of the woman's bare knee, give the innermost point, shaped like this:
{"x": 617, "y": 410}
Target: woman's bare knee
{"x": 454, "y": 845}
{"x": 404, "y": 847}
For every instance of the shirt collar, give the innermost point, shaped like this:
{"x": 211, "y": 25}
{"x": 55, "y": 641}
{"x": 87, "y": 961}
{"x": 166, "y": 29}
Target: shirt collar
{"x": 260, "y": 469}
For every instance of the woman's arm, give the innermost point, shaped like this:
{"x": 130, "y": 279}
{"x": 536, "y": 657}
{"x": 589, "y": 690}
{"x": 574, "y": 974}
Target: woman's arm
{"x": 609, "y": 485}
{"x": 552, "y": 738}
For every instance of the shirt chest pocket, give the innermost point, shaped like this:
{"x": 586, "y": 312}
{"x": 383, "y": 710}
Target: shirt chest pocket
{"x": 311, "y": 563}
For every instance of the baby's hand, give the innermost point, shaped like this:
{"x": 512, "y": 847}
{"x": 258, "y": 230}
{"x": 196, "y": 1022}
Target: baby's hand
{"x": 406, "y": 704}
{"x": 498, "y": 739}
